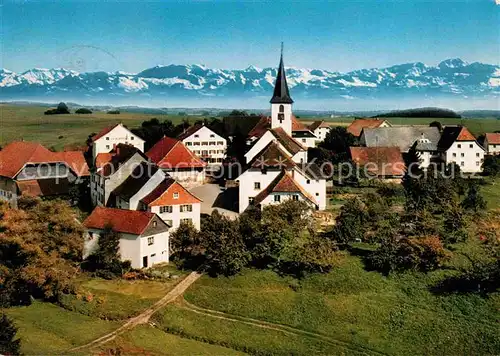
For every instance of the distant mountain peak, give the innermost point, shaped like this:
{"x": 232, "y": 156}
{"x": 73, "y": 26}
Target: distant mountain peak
{"x": 452, "y": 63}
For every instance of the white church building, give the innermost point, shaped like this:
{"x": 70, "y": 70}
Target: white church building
{"x": 276, "y": 163}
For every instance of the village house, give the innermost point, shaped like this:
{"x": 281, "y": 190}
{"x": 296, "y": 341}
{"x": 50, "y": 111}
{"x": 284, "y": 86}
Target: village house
{"x": 173, "y": 203}
{"x": 356, "y": 127}
{"x": 320, "y": 130}
{"x": 403, "y": 137}
{"x": 144, "y": 237}
{"x": 277, "y": 167}
{"x": 206, "y": 144}
{"x": 299, "y": 132}
{"x": 174, "y": 158}
{"x": 110, "y": 137}
{"x": 385, "y": 163}
{"x": 492, "y": 143}
{"x": 29, "y": 168}
{"x": 458, "y": 145}
{"x": 111, "y": 170}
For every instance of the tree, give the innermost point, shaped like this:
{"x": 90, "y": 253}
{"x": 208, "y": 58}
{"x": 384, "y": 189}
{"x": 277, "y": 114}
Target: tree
{"x": 62, "y": 108}
{"x": 436, "y": 124}
{"x": 491, "y": 165}
{"x": 338, "y": 141}
{"x": 474, "y": 201}
{"x": 225, "y": 250}
{"x": 185, "y": 245}
{"x": 83, "y": 111}
{"x": 455, "y": 225}
{"x": 9, "y": 345}
{"x": 351, "y": 223}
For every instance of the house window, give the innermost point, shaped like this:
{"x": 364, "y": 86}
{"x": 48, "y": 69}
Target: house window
{"x": 462, "y": 163}
{"x": 256, "y": 185}
{"x": 251, "y": 200}
{"x": 295, "y": 197}
{"x": 166, "y": 209}
{"x": 477, "y": 163}
{"x": 151, "y": 240}
{"x": 153, "y": 255}
{"x": 317, "y": 194}
{"x": 477, "y": 154}
{"x": 107, "y": 147}
{"x": 196, "y": 136}
{"x": 277, "y": 198}
{"x": 471, "y": 145}
{"x": 188, "y": 143}
{"x": 186, "y": 221}
{"x": 205, "y": 143}
{"x": 107, "y": 138}
{"x": 196, "y": 143}
{"x": 308, "y": 181}
{"x": 454, "y": 154}
{"x": 155, "y": 223}
{"x": 187, "y": 207}
{"x": 462, "y": 154}
{"x": 212, "y": 135}
{"x": 220, "y": 142}
{"x": 176, "y": 195}
{"x": 212, "y": 143}
{"x": 459, "y": 146}
{"x": 303, "y": 140}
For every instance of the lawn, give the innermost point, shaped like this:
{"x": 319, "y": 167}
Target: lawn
{"x": 46, "y": 329}
{"x": 396, "y": 315}
{"x": 147, "y": 340}
{"x": 116, "y": 299}
{"x": 491, "y": 192}
{"x": 29, "y": 123}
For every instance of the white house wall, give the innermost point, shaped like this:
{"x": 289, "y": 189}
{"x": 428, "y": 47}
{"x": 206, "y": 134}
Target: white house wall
{"x": 315, "y": 188}
{"x": 175, "y": 217}
{"x": 468, "y": 155}
{"x": 207, "y": 144}
{"x": 492, "y": 149}
{"x": 119, "y": 134}
{"x": 158, "y": 251}
{"x": 246, "y": 185}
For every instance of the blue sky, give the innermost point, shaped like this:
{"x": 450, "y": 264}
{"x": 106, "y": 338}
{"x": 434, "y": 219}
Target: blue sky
{"x": 335, "y": 35}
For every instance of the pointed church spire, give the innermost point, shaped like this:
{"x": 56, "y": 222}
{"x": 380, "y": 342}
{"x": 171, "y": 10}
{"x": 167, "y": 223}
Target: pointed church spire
{"x": 281, "y": 94}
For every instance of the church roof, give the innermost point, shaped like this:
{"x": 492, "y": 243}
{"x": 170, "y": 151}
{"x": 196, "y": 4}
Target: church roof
{"x": 271, "y": 157}
{"x": 281, "y": 95}
{"x": 288, "y": 142}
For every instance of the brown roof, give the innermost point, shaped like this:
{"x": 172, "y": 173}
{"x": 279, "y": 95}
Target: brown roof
{"x": 283, "y": 183}
{"x": 493, "y": 138}
{"x": 126, "y": 221}
{"x": 171, "y": 153}
{"x": 297, "y": 125}
{"x": 15, "y": 155}
{"x": 136, "y": 180}
{"x": 380, "y": 161}
{"x": 103, "y": 132}
{"x": 189, "y": 131}
{"x": 271, "y": 156}
{"x": 317, "y": 124}
{"x": 163, "y": 194}
{"x": 120, "y": 154}
{"x": 290, "y": 144}
{"x": 44, "y": 187}
{"x": 357, "y": 126}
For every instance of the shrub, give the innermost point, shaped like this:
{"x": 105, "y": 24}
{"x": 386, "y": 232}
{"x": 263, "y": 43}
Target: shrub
{"x": 351, "y": 223}
{"x": 9, "y": 345}
{"x": 491, "y": 165}
{"x": 114, "y": 112}
{"x": 83, "y": 111}
{"x": 62, "y": 108}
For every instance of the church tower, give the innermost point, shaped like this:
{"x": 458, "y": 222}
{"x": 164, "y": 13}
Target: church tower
{"x": 281, "y": 102}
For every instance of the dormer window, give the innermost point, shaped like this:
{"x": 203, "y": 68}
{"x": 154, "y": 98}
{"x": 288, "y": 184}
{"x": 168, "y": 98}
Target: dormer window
{"x": 176, "y": 195}
{"x": 212, "y": 135}
{"x": 196, "y": 136}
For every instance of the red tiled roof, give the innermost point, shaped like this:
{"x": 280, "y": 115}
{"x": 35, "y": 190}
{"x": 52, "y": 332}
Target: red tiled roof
{"x": 15, "y": 155}
{"x": 358, "y": 125}
{"x": 465, "y": 135}
{"x": 126, "y": 221}
{"x": 163, "y": 194}
{"x": 171, "y": 153}
{"x": 297, "y": 125}
{"x": 317, "y": 124}
{"x": 103, "y": 158}
{"x": 283, "y": 183}
{"x": 382, "y": 161}
{"x": 493, "y": 138}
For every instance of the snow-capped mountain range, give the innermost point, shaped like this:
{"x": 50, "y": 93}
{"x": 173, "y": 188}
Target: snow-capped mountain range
{"x": 451, "y": 78}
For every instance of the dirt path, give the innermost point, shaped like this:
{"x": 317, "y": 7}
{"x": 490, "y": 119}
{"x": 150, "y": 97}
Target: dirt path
{"x": 143, "y": 318}
{"x": 278, "y": 327}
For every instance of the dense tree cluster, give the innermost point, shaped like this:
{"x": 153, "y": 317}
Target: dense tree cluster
{"x": 83, "y": 111}
{"x": 40, "y": 250}
{"x": 279, "y": 237}
{"x": 62, "y": 108}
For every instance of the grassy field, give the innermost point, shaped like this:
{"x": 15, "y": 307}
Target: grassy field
{"x": 29, "y": 123}
{"x": 46, "y": 329}
{"x": 396, "y": 315}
